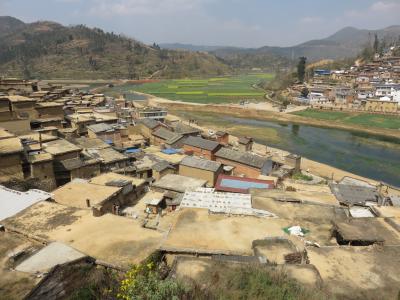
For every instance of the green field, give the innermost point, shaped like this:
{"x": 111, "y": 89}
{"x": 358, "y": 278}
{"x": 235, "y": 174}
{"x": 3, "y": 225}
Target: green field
{"x": 210, "y": 90}
{"x": 364, "y": 119}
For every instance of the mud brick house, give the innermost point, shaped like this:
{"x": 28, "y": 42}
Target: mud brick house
{"x": 161, "y": 169}
{"x": 106, "y": 132}
{"x": 132, "y": 187}
{"x": 146, "y": 127}
{"x": 41, "y": 168}
{"x": 201, "y": 168}
{"x": 294, "y": 161}
{"x": 11, "y": 152}
{"x": 49, "y": 110}
{"x": 23, "y": 106}
{"x": 222, "y": 137}
{"x": 79, "y": 193}
{"x": 11, "y": 85}
{"x": 80, "y": 168}
{"x": 80, "y": 122}
{"x": 201, "y": 147}
{"x": 244, "y": 163}
{"x": 163, "y": 136}
{"x": 245, "y": 143}
{"x": 61, "y": 150}
{"x": 173, "y": 184}
{"x": 110, "y": 159}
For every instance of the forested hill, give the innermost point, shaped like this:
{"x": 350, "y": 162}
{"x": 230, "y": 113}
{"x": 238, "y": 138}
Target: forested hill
{"x": 50, "y": 50}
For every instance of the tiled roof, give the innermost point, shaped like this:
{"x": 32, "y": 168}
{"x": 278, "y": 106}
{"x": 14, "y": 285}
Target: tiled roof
{"x": 242, "y": 157}
{"x": 198, "y": 163}
{"x": 199, "y": 142}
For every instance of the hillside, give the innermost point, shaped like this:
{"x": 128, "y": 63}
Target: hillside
{"x": 347, "y": 42}
{"x": 50, "y": 50}
{"x": 239, "y": 58}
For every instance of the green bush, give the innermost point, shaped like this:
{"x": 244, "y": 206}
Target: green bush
{"x": 301, "y": 176}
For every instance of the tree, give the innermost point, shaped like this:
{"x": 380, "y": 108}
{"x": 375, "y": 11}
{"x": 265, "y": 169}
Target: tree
{"x": 376, "y": 44}
{"x": 301, "y": 68}
{"x": 305, "y": 92}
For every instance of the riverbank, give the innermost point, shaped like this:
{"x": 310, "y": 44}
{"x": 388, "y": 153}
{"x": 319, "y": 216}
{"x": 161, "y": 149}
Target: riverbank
{"x": 221, "y": 119}
{"x": 267, "y": 114}
{"x": 316, "y": 168}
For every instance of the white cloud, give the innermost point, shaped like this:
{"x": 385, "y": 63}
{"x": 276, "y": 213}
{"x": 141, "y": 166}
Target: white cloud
{"x": 143, "y": 7}
{"x": 381, "y": 8}
{"x": 310, "y": 20}
{"x": 386, "y": 7}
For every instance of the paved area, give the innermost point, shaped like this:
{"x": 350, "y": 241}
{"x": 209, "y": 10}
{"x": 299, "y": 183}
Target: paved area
{"x": 53, "y": 254}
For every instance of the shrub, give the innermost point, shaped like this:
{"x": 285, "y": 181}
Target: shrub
{"x": 143, "y": 281}
{"x": 301, "y": 176}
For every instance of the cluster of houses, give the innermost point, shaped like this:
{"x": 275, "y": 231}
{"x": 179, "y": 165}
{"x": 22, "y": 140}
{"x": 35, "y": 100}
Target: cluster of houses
{"x": 372, "y": 87}
{"x": 67, "y": 139}
{"x": 116, "y": 180}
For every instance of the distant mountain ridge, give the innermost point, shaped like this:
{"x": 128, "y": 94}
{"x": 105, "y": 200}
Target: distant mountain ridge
{"x": 345, "y": 43}
{"x": 50, "y": 50}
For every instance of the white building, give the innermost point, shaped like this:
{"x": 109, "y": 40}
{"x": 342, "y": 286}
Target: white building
{"x": 388, "y": 90}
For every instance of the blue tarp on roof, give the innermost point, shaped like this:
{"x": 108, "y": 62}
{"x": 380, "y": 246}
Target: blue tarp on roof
{"x": 132, "y": 150}
{"x": 109, "y": 142}
{"x": 170, "y": 151}
{"x": 322, "y": 72}
{"x": 239, "y": 184}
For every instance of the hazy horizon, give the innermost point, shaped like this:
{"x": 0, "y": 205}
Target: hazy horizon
{"x": 252, "y": 23}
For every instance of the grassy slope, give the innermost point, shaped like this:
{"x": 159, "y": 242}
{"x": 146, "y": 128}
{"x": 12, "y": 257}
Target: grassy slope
{"x": 211, "y": 90}
{"x": 364, "y": 119}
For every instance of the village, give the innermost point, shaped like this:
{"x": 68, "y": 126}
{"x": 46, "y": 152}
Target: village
{"x": 92, "y": 179}
{"x": 365, "y": 87}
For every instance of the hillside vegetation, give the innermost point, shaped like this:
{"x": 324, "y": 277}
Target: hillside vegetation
{"x": 50, "y": 50}
{"x": 345, "y": 43}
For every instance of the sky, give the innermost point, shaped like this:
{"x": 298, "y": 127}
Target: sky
{"x": 246, "y": 23}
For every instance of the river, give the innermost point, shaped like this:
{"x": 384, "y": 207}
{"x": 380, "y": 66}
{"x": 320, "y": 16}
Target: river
{"x": 361, "y": 154}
